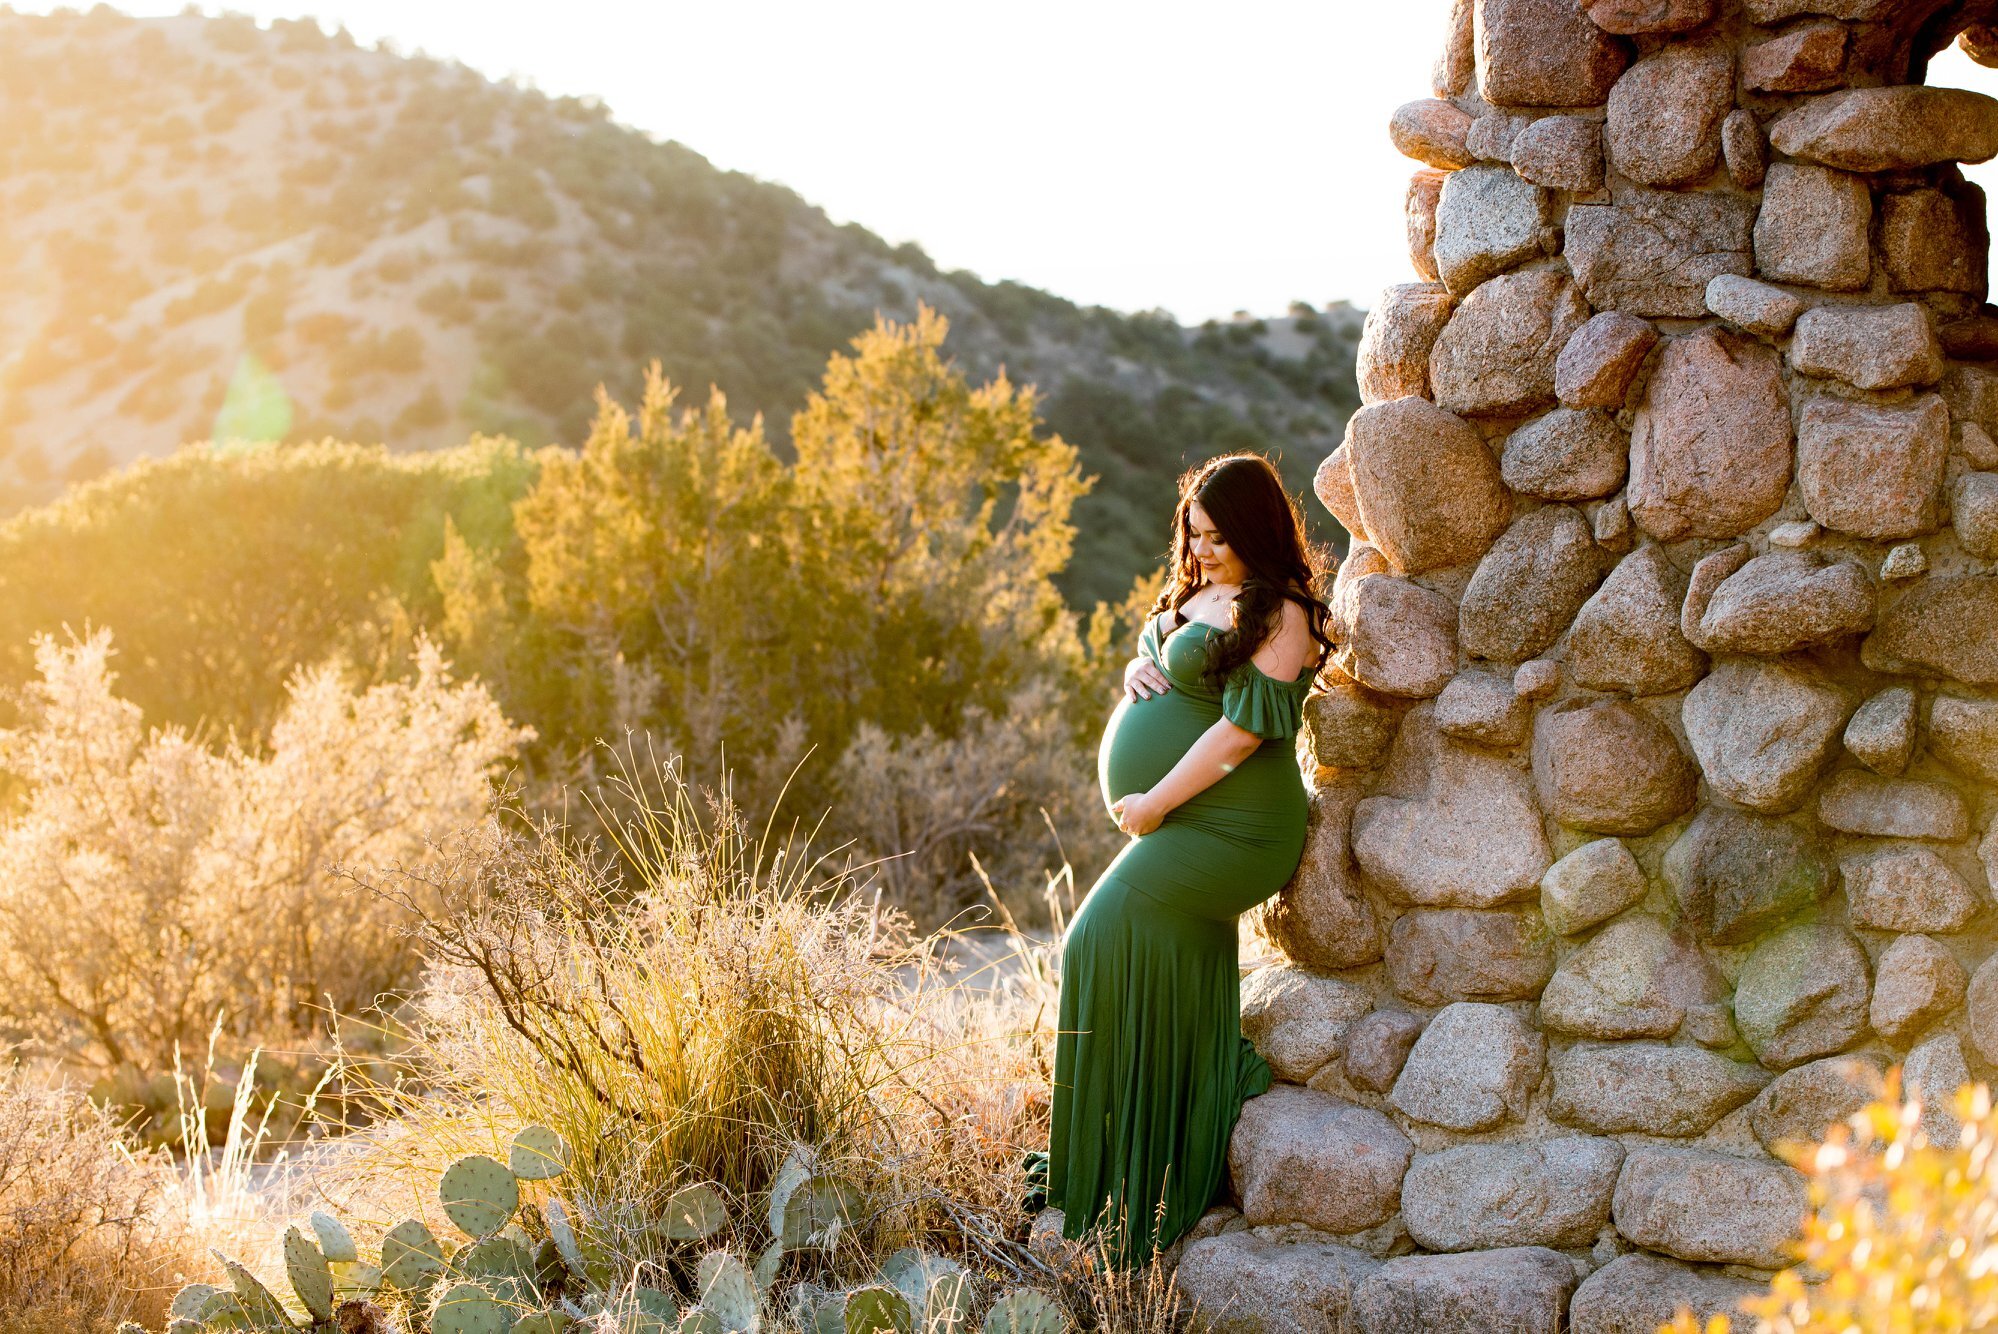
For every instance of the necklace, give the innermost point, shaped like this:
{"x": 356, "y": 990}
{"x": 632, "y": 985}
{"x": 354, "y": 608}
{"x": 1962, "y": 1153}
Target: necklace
{"x": 1209, "y": 602}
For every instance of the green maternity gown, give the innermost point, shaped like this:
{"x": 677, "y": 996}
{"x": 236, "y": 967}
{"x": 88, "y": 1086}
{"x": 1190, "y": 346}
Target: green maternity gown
{"x": 1151, "y": 1068}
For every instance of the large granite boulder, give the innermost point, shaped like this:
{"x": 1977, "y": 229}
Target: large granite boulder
{"x": 1393, "y": 357}
{"x": 1627, "y": 636}
{"x": 1700, "y": 1205}
{"x": 1298, "y": 1019}
{"x": 1890, "y": 129}
{"x": 1781, "y": 602}
{"x": 1451, "y": 826}
{"x": 1478, "y": 1196}
{"x": 1474, "y": 1066}
{"x": 1488, "y": 220}
{"x": 1764, "y": 730}
{"x": 1916, "y": 981}
{"x": 1496, "y": 356}
{"x": 1941, "y": 626}
{"x": 1633, "y": 979}
{"x": 1428, "y": 488}
{"x": 1648, "y": 1087}
{"x": 1243, "y": 1283}
{"x": 1735, "y": 875}
{"x": 1322, "y": 918}
{"x": 1874, "y": 470}
{"x": 1710, "y": 450}
{"x": 1609, "y": 767}
{"x": 1801, "y": 1104}
{"x": 1439, "y": 955}
{"x": 1664, "y": 118}
{"x": 1523, "y": 1289}
{"x": 1301, "y": 1156}
{"x": 1537, "y": 53}
{"x": 1529, "y": 585}
{"x": 1637, "y": 1293}
{"x": 1803, "y": 993}
{"x": 1653, "y": 252}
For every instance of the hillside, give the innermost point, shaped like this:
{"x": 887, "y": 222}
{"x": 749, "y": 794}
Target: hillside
{"x": 209, "y": 229}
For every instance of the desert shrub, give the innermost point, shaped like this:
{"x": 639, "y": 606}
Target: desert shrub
{"x": 223, "y": 572}
{"x": 942, "y": 814}
{"x": 84, "y": 1242}
{"x": 1901, "y": 1229}
{"x": 154, "y": 881}
{"x": 686, "y": 999}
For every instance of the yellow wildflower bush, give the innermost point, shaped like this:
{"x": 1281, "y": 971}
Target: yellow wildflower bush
{"x": 1903, "y": 1231}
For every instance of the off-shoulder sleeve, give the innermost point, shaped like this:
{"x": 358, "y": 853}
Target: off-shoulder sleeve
{"x": 1148, "y": 640}
{"x": 1255, "y": 702}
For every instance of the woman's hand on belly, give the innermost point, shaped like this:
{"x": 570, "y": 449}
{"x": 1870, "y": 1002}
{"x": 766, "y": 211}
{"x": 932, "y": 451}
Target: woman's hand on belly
{"x": 1143, "y": 679}
{"x": 1138, "y": 813}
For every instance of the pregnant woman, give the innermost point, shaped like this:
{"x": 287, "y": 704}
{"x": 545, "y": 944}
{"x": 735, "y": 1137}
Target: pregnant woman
{"x": 1197, "y": 765}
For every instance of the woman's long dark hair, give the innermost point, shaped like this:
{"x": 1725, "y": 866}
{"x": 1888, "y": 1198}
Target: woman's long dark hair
{"x": 1262, "y": 524}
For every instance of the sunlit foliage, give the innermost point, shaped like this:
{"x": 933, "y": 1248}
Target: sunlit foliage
{"x": 1902, "y": 1237}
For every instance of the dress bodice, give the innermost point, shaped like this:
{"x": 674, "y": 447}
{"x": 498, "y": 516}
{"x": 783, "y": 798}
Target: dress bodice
{"x": 1250, "y": 698}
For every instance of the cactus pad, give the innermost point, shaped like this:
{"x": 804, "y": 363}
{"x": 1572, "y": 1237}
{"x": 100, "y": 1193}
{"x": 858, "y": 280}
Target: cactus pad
{"x": 411, "y": 1256}
{"x": 767, "y": 1266}
{"x": 479, "y": 1194}
{"x": 818, "y": 1211}
{"x": 542, "y": 1322}
{"x": 469, "y": 1308}
{"x": 259, "y": 1307}
{"x": 538, "y": 1154}
{"x": 727, "y": 1290}
{"x": 188, "y": 1301}
{"x": 564, "y": 1238}
{"x": 499, "y": 1256}
{"x": 795, "y": 1172}
{"x": 1024, "y": 1311}
{"x": 878, "y": 1309}
{"x": 700, "y": 1320}
{"x": 310, "y": 1277}
{"x": 947, "y": 1304}
{"x": 694, "y": 1213}
{"x": 335, "y": 1242}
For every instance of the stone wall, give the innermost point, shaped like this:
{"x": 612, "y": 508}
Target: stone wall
{"x": 1654, "y": 805}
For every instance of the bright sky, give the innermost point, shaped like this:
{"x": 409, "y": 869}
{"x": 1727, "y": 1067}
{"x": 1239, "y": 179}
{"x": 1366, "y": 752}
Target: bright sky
{"x": 1165, "y": 154}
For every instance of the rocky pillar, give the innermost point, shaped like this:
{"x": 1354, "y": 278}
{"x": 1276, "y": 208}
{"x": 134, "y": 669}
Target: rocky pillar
{"x": 1654, "y": 798}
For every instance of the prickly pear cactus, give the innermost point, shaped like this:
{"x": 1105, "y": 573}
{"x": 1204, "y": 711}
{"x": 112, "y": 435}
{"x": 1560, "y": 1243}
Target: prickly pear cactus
{"x": 1024, "y": 1311}
{"x": 497, "y": 1256}
{"x": 538, "y": 1154}
{"x": 335, "y": 1242}
{"x": 411, "y": 1257}
{"x": 187, "y": 1303}
{"x": 470, "y": 1308}
{"x": 542, "y": 1322}
{"x": 310, "y": 1276}
{"x": 479, "y": 1194}
{"x": 258, "y": 1306}
{"x": 795, "y": 1172}
{"x": 700, "y": 1320}
{"x": 767, "y": 1266}
{"x": 693, "y": 1213}
{"x": 818, "y": 1211}
{"x": 878, "y": 1309}
{"x": 727, "y": 1289}
{"x": 564, "y": 1236}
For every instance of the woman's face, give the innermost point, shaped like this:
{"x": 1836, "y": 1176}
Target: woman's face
{"x": 1218, "y": 562}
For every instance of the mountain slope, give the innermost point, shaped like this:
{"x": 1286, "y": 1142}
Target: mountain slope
{"x": 209, "y": 229}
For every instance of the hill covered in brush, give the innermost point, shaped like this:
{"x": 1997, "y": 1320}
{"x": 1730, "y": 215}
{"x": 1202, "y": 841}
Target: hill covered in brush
{"x": 212, "y": 229}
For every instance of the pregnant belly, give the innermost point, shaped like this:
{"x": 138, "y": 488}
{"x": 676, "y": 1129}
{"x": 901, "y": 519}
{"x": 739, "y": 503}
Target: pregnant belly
{"x": 1262, "y": 797}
